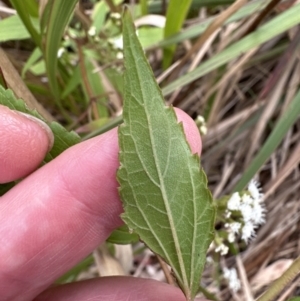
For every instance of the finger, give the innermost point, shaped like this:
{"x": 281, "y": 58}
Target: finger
{"x": 60, "y": 213}
{"x": 25, "y": 141}
{"x": 191, "y": 131}
{"x": 114, "y": 289}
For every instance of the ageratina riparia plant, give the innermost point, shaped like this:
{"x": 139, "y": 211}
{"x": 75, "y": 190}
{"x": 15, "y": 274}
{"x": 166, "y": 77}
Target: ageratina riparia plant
{"x": 240, "y": 214}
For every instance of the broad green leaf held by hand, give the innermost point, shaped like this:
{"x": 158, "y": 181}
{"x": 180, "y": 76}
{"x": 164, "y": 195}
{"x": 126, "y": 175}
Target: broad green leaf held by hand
{"x": 164, "y": 191}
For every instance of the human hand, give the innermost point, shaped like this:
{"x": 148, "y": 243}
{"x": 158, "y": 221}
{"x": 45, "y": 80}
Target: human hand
{"x": 59, "y": 213}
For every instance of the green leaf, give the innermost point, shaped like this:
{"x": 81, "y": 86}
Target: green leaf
{"x": 34, "y": 57}
{"x": 149, "y": 35}
{"x": 95, "y": 85}
{"x": 38, "y": 68}
{"x": 164, "y": 190}
{"x": 73, "y": 82}
{"x": 122, "y": 236}
{"x": 62, "y": 138}
{"x": 12, "y": 28}
{"x": 58, "y": 16}
{"x": 176, "y": 13}
{"x": 99, "y": 15}
{"x": 144, "y": 7}
{"x": 26, "y": 10}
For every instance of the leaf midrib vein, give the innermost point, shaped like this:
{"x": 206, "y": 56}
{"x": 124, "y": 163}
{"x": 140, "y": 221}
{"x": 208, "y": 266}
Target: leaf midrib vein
{"x": 147, "y": 222}
{"x": 163, "y": 190}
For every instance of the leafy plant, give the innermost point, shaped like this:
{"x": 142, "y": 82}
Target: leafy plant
{"x": 173, "y": 215}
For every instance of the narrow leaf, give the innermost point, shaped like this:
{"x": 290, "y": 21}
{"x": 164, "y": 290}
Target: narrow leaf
{"x": 280, "y": 130}
{"x": 59, "y": 13}
{"x": 195, "y": 30}
{"x": 176, "y": 13}
{"x": 144, "y": 7}
{"x": 165, "y": 195}
{"x": 34, "y": 57}
{"x": 155, "y": 7}
{"x": 26, "y": 10}
{"x": 268, "y": 31}
{"x": 122, "y": 236}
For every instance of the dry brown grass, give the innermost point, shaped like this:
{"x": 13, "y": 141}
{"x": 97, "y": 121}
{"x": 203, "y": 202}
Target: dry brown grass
{"x": 255, "y": 83}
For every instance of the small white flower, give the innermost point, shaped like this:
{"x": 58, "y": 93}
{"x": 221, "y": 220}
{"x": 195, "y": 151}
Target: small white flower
{"x": 254, "y": 190}
{"x": 120, "y": 55}
{"x": 234, "y": 202}
{"x": 231, "y": 237}
{"x": 235, "y": 227}
{"x": 258, "y": 215}
{"x": 203, "y": 130}
{"x": 247, "y": 199}
{"x": 209, "y": 260}
{"x": 252, "y": 210}
{"x": 234, "y": 282}
{"x": 227, "y": 213}
{"x": 248, "y": 231}
{"x": 92, "y": 31}
{"x": 200, "y": 121}
{"x": 116, "y": 16}
{"x": 117, "y": 42}
{"x": 60, "y": 51}
{"x": 222, "y": 249}
{"x": 247, "y": 212}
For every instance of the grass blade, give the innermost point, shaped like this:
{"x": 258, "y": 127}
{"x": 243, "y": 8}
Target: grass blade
{"x": 24, "y": 8}
{"x": 276, "y": 26}
{"x": 196, "y": 30}
{"x": 176, "y": 13}
{"x": 59, "y": 15}
{"x": 284, "y": 124}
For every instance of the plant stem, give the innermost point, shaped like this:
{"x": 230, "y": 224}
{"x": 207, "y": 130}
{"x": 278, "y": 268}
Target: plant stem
{"x": 279, "y": 284}
{"x": 207, "y": 293}
{"x": 106, "y": 127}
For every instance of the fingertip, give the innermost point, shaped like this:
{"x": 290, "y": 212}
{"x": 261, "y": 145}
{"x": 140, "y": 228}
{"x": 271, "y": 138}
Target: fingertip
{"x": 191, "y": 131}
{"x": 24, "y": 144}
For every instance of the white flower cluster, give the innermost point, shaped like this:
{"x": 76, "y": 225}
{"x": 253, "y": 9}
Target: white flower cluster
{"x": 252, "y": 210}
{"x": 234, "y": 282}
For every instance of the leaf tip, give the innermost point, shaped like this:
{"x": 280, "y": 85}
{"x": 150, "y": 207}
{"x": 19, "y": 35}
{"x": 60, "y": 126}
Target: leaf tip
{"x": 127, "y": 14}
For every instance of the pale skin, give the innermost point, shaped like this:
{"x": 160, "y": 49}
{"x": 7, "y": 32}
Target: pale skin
{"x": 59, "y": 213}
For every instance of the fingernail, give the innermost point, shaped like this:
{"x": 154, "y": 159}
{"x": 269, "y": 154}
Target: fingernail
{"x": 43, "y": 125}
